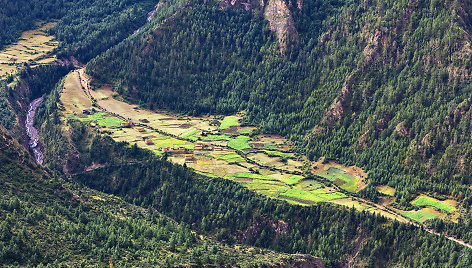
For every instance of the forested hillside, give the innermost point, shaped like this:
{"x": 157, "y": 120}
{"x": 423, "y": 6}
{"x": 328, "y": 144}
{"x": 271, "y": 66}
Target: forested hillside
{"x": 46, "y": 220}
{"x": 85, "y": 28}
{"x": 231, "y": 213}
{"x": 17, "y": 16}
{"x": 381, "y": 84}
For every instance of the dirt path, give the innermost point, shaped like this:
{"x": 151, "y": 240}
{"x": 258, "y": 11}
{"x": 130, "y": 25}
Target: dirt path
{"x": 431, "y": 231}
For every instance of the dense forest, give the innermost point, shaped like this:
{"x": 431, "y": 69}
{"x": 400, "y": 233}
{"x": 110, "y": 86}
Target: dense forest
{"x": 19, "y": 15}
{"x": 231, "y": 213}
{"x": 46, "y": 220}
{"x": 84, "y": 28}
{"x": 380, "y": 84}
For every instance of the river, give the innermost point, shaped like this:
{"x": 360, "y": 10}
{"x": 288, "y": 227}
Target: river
{"x": 32, "y": 132}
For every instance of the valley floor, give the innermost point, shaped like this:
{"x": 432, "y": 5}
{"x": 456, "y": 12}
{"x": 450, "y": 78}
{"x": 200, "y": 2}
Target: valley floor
{"x": 220, "y": 147}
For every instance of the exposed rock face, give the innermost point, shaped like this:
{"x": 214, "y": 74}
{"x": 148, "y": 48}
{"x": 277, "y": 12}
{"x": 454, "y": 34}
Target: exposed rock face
{"x": 281, "y": 22}
{"x": 337, "y": 110}
{"x": 279, "y": 227}
{"x": 401, "y": 130}
{"x": 277, "y": 13}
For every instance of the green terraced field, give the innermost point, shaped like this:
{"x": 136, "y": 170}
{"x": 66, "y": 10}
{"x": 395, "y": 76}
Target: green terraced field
{"x": 425, "y": 201}
{"x": 216, "y": 138}
{"x": 332, "y": 196}
{"x": 229, "y": 121}
{"x": 192, "y": 135}
{"x": 422, "y": 215}
{"x": 340, "y": 178}
{"x": 278, "y": 153}
{"x": 311, "y": 183}
{"x": 318, "y": 195}
{"x": 103, "y": 119}
{"x": 293, "y": 180}
{"x": 244, "y": 131}
{"x": 231, "y": 158}
{"x": 239, "y": 143}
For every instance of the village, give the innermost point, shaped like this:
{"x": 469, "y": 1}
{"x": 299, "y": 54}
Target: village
{"x": 201, "y": 149}
{"x": 262, "y": 162}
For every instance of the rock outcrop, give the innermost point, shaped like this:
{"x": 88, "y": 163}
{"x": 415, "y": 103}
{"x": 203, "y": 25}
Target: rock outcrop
{"x": 277, "y": 13}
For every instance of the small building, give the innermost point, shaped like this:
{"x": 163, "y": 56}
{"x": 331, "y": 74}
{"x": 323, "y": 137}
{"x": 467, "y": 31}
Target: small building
{"x": 180, "y": 150}
{"x": 189, "y": 158}
{"x": 89, "y": 111}
{"x": 140, "y": 129}
{"x": 12, "y": 60}
{"x": 127, "y": 124}
{"x": 205, "y": 147}
{"x": 147, "y": 137}
{"x": 149, "y": 142}
{"x": 144, "y": 120}
{"x": 166, "y": 149}
{"x": 218, "y": 148}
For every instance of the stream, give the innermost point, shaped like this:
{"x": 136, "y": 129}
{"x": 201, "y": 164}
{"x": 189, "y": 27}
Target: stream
{"x": 32, "y": 132}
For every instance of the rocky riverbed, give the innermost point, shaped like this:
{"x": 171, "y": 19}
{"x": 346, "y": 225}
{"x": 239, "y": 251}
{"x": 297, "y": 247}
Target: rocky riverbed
{"x": 32, "y": 132}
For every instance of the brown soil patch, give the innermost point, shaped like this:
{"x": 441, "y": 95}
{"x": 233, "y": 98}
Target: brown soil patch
{"x": 385, "y": 201}
{"x": 450, "y": 202}
{"x": 73, "y": 97}
{"x": 231, "y": 130}
{"x": 257, "y": 145}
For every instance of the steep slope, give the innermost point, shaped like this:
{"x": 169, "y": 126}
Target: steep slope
{"x": 383, "y": 84}
{"x": 231, "y": 213}
{"x": 85, "y": 28}
{"x": 45, "y": 220}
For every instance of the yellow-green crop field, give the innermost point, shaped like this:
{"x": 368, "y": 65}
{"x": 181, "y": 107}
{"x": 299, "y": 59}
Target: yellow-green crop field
{"x": 426, "y": 201}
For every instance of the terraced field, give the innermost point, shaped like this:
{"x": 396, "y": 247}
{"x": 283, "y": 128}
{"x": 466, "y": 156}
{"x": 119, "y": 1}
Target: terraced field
{"x": 351, "y": 179}
{"x": 423, "y": 215}
{"x": 426, "y": 201}
{"x": 386, "y": 190}
{"x": 33, "y": 47}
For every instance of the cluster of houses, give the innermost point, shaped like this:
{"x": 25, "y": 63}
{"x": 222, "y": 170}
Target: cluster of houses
{"x": 180, "y": 150}
{"x": 203, "y": 147}
{"x": 200, "y": 149}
